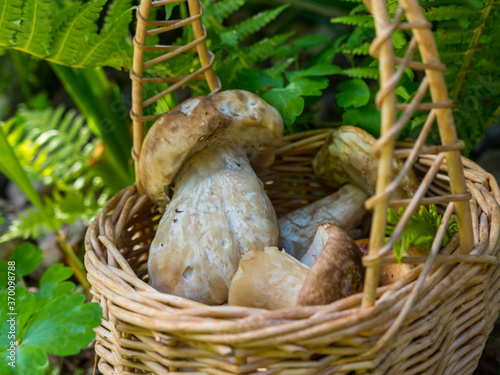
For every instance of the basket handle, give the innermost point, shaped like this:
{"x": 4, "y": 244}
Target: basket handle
{"x": 382, "y": 48}
{"x": 206, "y": 58}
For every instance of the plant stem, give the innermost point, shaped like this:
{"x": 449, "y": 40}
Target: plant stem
{"x": 100, "y": 103}
{"x": 472, "y": 49}
{"x": 10, "y": 166}
{"x": 73, "y": 261}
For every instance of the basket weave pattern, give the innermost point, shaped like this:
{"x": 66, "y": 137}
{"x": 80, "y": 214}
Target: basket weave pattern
{"x": 435, "y": 321}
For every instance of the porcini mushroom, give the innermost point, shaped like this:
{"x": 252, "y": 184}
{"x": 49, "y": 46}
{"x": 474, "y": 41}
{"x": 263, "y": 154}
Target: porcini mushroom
{"x": 269, "y": 279}
{"x": 347, "y": 156}
{"x": 336, "y": 273}
{"x": 344, "y": 208}
{"x": 202, "y": 149}
{"x": 391, "y": 272}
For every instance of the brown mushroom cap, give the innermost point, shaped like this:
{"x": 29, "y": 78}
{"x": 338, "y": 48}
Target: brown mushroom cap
{"x": 390, "y": 272}
{"x": 347, "y": 155}
{"x": 337, "y": 272}
{"x": 228, "y": 117}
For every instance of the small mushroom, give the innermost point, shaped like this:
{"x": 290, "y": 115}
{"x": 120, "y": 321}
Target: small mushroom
{"x": 390, "y": 272}
{"x": 202, "y": 150}
{"x": 344, "y": 208}
{"x": 269, "y": 279}
{"x": 347, "y": 156}
{"x": 336, "y": 273}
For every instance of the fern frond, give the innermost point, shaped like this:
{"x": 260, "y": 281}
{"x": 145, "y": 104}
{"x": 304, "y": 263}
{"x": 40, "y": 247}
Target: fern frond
{"x": 30, "y": 224}
{"x": 249, "y": 26}
{"x": 280, "y": 67}
{"x": 10, "y": 14}
{"x": 420, "y": 229}
{"x": 97, "y": 49}
{"x": 55, "y": 146}
{"x": 362, "y": 50}
{"x": 363, "y": 20}
{"x": 68, "y": 38}
{"x": 34, "y": 33}
{"x": 264, "y": 48}
{"x": 449, "y": 12}
{"x": 361, "y": 72}
{"x": 115, "y": 10}
{"x": 221, "y": 9}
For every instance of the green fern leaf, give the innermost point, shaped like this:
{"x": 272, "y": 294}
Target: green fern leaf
{"x": 34, "y": 33}
{"x": 362, "y": 50}
{"x": 68, "y": 38}
{"x": 264, "y": 48}
{"x": 10, "y": 15}
{"x": 115, "y": 11}
{"x": 99, "y": 46}
{"x": 361, "y": 72}
{"x": 355, "y": 20}
{"x": 31, "y": 224}
{"x": 250, "y": 26}
{"x": 448, "y": 12}
{"x": 420, "y": 229}
{"x": 221, "y": 9}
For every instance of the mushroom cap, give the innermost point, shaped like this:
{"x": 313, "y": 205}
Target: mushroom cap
{"x": 347, "y": 155}
{"x": 233, "y": 117}
{"x": 389, "y": 272}
{"x": 338, "y": 271}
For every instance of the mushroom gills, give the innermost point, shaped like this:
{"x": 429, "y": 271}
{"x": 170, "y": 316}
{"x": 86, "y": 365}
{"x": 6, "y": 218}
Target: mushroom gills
{"x": 218, "y": 212}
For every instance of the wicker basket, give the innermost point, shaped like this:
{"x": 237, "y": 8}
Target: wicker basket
{"x": 435, "y": 321}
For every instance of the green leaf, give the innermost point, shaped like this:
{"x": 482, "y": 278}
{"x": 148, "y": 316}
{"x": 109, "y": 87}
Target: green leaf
{"x": 314, "y": 71}
{"x": 288, "y": 102}
{"x": 10, "y": 15}
{"x": 308, "y": 86}
{"x": 250, "y": 26}
{"x": 222, "y": 9}
{"x": 31, "y": 360}
{"x": 53, "y": 284}
{"x": 27, "y": 258}
{"x": 255, "y": 80}
{"x": 34, "y": 33}
{"x": 63, "y": 326}
{"x": 116, "y": 9}
{"x": 354, "y": 93}
{"x": 420, "y": 230}
{"x": 99, "y": 46}
{"x": 68, "y": 38}
{"x": 366, "y": 117}
{"x": 10, "y": 166}
{"x": 56, "y": 273}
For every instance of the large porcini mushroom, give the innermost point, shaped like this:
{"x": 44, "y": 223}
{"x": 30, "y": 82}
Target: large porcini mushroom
{"x": 348, "y": 156}
{"x": 269, "y": 279}
{"x": 336, "y": 273}
{"x": 344, "y": 208}
{"x": 202, "y": 150}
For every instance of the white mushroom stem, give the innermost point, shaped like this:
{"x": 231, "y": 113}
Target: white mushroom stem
{"x": 218, "y": 212}
{"x": 344, "y": 208}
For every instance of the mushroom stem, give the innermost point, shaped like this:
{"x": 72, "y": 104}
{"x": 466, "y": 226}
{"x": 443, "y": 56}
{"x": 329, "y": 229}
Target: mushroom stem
{"x": 218, "y": 212}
